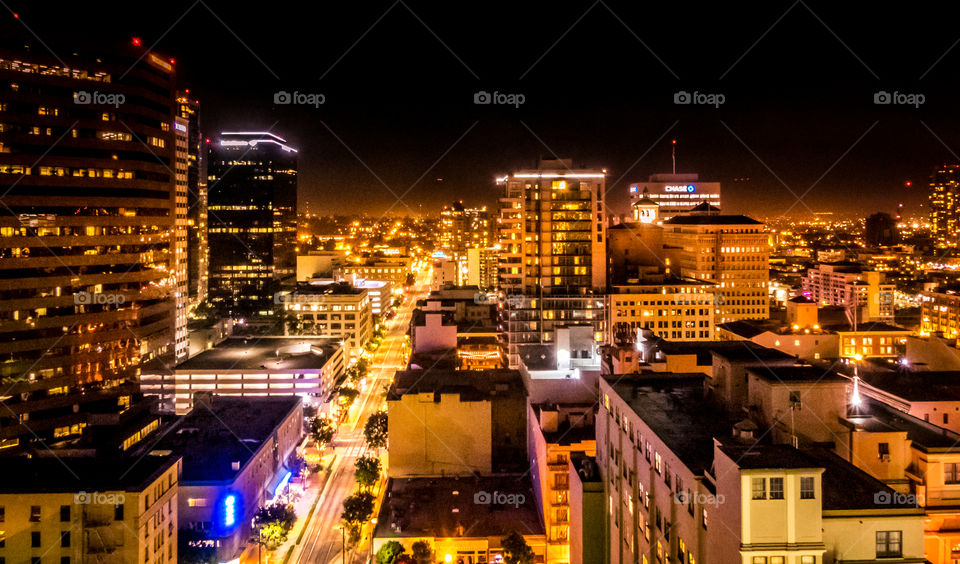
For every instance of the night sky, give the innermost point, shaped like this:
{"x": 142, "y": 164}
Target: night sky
{"x": 599, "y": 80}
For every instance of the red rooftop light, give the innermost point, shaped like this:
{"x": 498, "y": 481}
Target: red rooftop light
{"x": 136, "y": 41}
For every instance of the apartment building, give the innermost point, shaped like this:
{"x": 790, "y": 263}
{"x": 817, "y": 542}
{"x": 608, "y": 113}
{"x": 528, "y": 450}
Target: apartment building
{"x": 686, "y": 484}
{"x": 552, "y": 251}
{"x": 78, "y": 510}
{"x": 555, "y": 433}
{"x": 851, "y": 285}
{"x": 940, "y": 312}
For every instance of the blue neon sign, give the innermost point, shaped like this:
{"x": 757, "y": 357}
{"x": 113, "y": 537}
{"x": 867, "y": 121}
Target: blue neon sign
{"x": 229, "y": 510}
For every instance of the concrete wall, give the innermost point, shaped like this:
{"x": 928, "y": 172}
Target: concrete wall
{"x": 434, "y": 335}
{"x": 433, "y": 436}
{"x": 853, "y": 538}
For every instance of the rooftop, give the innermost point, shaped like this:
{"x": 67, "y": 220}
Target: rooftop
{"x": 751, "y": 352}
{"x": 797, "y": 374}
{"x": 268, "y": 353}
{"x": 844, "y": 486}
{"x": 328, "y": 288}
{"x": 55, "y": 474}
{"x": 219, "y": 433}
{"x": 452, "y": 507}
{"x": 472, "y": 385}
{"x": 675, "y": 410}
{"x": 711, "y": 220}
{"x": 917, "y": 386}
{"x": 569, "y": 433}
{"x": 877, "y": 417}
{"x": 866, "y": 327}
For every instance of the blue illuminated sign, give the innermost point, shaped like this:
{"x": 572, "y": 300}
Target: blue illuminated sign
{"x": 283, "y": 483}
{"x": 690, "y": 188}
{"x": 229, "y": 510}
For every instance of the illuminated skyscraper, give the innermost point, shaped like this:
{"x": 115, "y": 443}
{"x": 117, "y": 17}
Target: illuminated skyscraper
{"x": 87, "y": 158}
{"x": 464, "y": 228}
{"x": 944, "y": 200}
{"x": 181, "y": 228}
{"x": 552, "y": 251}
{"x": 252, "y": 222}
{"x": 196, "y": 161}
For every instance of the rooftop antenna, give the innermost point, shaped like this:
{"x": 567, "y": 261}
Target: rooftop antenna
{"x": 673, "y": 155}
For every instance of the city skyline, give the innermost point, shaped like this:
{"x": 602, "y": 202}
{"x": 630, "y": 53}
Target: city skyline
{"x": 789, "y": 116}
{"x": 403, "y": 283}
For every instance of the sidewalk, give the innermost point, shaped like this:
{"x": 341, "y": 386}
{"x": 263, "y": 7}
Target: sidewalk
{"x": 303, "y": 508}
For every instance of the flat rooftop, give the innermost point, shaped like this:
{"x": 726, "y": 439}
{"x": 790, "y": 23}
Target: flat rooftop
{"x": 277, "y": 354}
{"x": 327, "y": 288}
{"x": 918, "y": 386}
{"x": 797, "y": 374}
{"x": 228, "y": 430}
{"x": 451, "y": 507}
{"x": 674, "y": 409}
{"x": 470, "y": 384}
{"x": 749, "y": 352}
{"x": 711, "y": 219}
{"x": 58, "y": 474}
{"x": 569, "y": 432}
{"x": 866, "y": 327}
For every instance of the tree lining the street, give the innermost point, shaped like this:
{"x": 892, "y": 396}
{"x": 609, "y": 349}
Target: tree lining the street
{"x": 321, "y": 430}
{"x": 367, "y": 471}
{"x": 357, "y": 510}
{"x": 375, "y": 430}
{"x": 274, "y": 522}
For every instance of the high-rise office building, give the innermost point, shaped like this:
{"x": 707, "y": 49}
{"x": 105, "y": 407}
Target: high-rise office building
{"x": 181, "y": 229}
{"x": 676, "y": 193}
{"x": 730, "y": 251}
{"x": 87, "y": 157}
{"x": 552, "y": 251}
{"x": 944, "y": 198}
{"x": 252, "y": 222}
{"x": 196, "y": 161}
